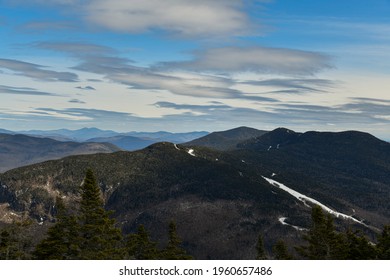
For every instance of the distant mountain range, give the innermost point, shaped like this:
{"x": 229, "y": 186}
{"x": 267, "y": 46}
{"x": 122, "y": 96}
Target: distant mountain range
{"x": 86, "y": 134}
{"x": 20, "y": 150}
{"x": 248, "y": 182}
{"x": 79, "y": 135}
{"x": 27, "y": 147}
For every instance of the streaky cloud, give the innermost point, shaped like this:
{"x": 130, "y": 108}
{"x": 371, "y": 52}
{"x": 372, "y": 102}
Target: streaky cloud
{"x": 76, "y": 49}
{"x": 255, "y": 59}
{"x": 370, "y": 100}
{"x": 36, "y": 71}
{"x": 86, "y": 88}
{"x": 24, "y": 91}
{"x": 77, "y": 101}
{"x": 196, "y": 84}
{"x": 295, "y": 86}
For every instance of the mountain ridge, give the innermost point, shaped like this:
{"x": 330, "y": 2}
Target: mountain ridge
{"x": 87, "y": 133}
{"x": 221, "y": 200}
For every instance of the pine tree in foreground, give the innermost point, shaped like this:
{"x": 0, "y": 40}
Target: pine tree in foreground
{"x": 358, "y": 247}
{"x": 280, "y": 251}
{"x": 324, "y": 242}
{"x": 62, "y": 241}
{"x": 383, "y": 247}
{"x": 260, "y": 249}
{"x": 174, "y": 251}
{"x": 99, "y": 238}
{"x": 140, "y": 247}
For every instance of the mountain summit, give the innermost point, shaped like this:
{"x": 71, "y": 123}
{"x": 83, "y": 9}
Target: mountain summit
{"x": 226, "y": 140}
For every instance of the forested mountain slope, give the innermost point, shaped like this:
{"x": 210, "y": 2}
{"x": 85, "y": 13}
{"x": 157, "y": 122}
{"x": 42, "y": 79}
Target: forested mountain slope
{"x": 221, "y": 200}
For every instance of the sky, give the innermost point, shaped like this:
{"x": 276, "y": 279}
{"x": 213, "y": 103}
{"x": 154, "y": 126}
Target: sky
{"x": 183, "y": 65}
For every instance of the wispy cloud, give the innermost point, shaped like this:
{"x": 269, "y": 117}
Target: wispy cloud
{"x": 196, "y": 85}
{"x": 77, "y": 101}
{"x": 101, "y": 60}
{"x": 197, "y": 108}
{"x": 86, "y": 88}
{"x": 295, "y": 86}
{"x": 206, "y": 87}
{"x": 255, "y": 59}
{"x": 301, "y": 116}
{"x": 370, "y": 100}
{"x": 103, "y": 64}
{"x": 24, "y": 91}
{"x": 375, "y": 108}
{"x": 36, "y": 71}
{"x": 92, "y": 115}
{"x": 209, "y": 74}
{"x": 347, "y": 116}
{"x": 76, "y": 49}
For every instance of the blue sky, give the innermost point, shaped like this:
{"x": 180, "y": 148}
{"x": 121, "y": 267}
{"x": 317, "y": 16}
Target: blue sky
{"x": 181, "y": 65}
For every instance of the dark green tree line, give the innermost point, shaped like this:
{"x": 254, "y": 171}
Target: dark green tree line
{"x": 88, "y": 232}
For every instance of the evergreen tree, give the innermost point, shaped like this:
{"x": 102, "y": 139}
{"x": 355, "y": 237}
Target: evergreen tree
{"x": 140, "y": 247}
{"x": 173, "y": 251}
{"x": 62, "y": 241}
{"x": 383, "y": 245}
{"x": 99, "y": 238}
{"x": 324, "y": 242}
{"x": 281, "y": 252}
{"x": 7, "y": 246}
{"x": 15, "y": 241}
{"x": 358, "y": 247}
{"x": 260, "y": 249}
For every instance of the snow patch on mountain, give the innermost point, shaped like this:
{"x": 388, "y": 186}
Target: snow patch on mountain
{"x": 191, "y": 152}
{"x": 305, "y": 199}
{"x": 282, "y": 220}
